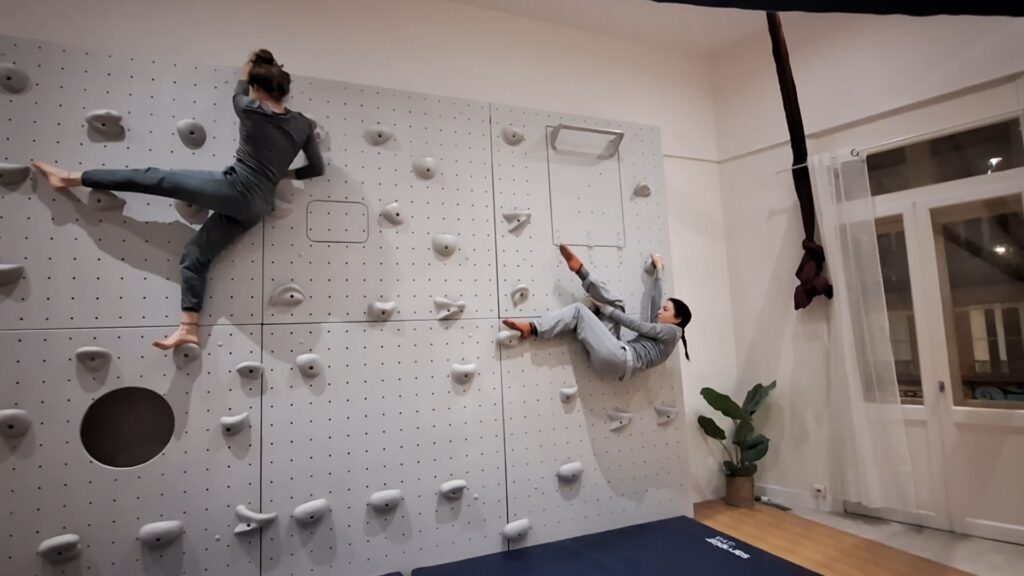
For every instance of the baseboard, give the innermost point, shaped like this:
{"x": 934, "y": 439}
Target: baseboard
{"x": 793, "y": 498}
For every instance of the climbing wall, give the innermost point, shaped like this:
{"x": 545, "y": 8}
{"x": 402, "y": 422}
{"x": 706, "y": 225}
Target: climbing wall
{"x": 384, "y": 426}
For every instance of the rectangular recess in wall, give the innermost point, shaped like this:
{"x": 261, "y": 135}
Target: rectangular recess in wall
{"x": 336, "y": 221}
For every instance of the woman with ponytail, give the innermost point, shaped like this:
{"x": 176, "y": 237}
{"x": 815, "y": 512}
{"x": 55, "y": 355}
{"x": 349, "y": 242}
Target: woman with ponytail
{"x": 661, "y": 324}
{"x": 270, "y": 136}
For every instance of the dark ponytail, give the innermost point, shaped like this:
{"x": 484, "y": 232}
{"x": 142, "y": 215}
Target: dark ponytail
{"x": 683, "y": 313}
{"x": 268, "y": 75}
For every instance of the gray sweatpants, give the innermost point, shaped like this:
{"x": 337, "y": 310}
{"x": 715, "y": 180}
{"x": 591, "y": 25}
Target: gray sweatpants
{"x": 233, "y": 214}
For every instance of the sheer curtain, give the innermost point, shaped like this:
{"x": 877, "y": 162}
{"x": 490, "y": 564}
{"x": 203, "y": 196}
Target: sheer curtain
{"x": 868, "y": 426}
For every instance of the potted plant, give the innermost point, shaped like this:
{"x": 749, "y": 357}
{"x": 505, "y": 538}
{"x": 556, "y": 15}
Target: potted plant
{"x": 747, "y": 446}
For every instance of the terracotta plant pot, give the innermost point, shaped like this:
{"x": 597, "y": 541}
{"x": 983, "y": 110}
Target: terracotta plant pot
{"x": 739, "y": 491}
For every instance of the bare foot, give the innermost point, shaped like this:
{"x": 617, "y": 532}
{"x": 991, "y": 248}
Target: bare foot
{"x": 60, "y": 180}
{"x": 525, "y": 329}
{"x": 570, "y": 258}
{"x": 658, "y": 261}
{"x": 185, "y": 334}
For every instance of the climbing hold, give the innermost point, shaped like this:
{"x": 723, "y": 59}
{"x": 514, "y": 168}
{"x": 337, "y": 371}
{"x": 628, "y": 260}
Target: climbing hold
{"x": 287, "y": 295}
{"x": 231, "y": 425}
{"x": 252, "y": 520}
{"x": 105, "y": 200}
{"x": 186, "y": 354}
{"x": 309, "y": 365}
{"x": 508, "y": 338}
{"x": 519, "y": 294}
{"x": 512, "y": 136}
{"x": 10, "y": 273}
{"x": 14, "y": 423}
{"x": 249, "y": 370}
{"x": 453, "y": 489}
{"x": 60, "y": 548}
{"x": 382, "y": 310}
{"x": 463, "y": 373}
{"x": 392, "y": 214}
{"x": 567, "y": 393}
{"x": 378, "y": 135}
{"x": 385, "y": 500}
{"x": 425, "y": 167}
{"x": 192, "y": 133}
{"x": 570, "y": 472}
{"x": 321, "y": 134}
{"x": 281, "y": 209}
{"x": 642, "y": 190}
{"x": 516, "y": 220}
{"x": 191, "y": 213}
{"x": 311, "y": 512}
{"x": 93, "y": 358}
{"x": 105, "y": 124}
{"x": 448, "y": 309}
{"x": 516, "y": 530}
{"x": 12, "y": 175}
{"x": 649, "y": 266}
{"x": 445, "y": 244}
{"x": 12, "y": 79}
{"x": 665, "y": 413}
{"x": 618, "y": 419}
{"x": 160, "y": 534}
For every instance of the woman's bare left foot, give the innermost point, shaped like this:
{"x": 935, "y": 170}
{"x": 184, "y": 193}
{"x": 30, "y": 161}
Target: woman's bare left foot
{"x": 525, "y": 329}
{"x": 60, "y": 180}
{"x": 185, "y": 334}
{"x": 570, "y": 258}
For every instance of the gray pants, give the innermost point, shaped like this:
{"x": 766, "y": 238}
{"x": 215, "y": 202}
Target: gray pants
{"x": 233, "y": 214}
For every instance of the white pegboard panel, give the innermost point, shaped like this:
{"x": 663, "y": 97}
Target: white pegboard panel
{"x": 51, "y": 486}
{"x": 521, "y": 183}
{"x": 585, "y": 190}
{"x": 633, "y": 475}
{"x": 396, "y": 262}
{"x": 385, "y": 413}
{"x": 88, "y": 268}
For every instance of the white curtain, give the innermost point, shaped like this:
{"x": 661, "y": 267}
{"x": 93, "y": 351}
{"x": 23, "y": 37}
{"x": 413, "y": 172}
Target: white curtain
{"x": 867, "y": 418}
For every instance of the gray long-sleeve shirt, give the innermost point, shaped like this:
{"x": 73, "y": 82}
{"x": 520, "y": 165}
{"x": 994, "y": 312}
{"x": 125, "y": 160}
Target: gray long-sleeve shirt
{"x": 654, "y": 342}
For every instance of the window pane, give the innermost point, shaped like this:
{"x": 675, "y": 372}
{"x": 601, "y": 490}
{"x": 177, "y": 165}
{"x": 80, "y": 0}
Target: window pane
{"x": 971, "y": 153}
{"x": 892, "y": 255}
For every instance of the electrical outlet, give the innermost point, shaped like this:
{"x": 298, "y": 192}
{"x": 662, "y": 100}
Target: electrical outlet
{"x": 820, "y": 491}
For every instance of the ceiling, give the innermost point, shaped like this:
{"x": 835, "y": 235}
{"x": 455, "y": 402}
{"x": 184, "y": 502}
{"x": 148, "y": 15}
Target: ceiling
{"x": 686, "y": 28}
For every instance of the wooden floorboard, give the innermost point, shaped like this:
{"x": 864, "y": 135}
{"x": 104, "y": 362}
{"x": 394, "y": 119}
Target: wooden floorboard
{"x": 813, "y": 545}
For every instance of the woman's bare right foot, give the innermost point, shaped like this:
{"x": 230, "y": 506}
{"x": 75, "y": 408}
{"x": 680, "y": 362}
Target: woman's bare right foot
{"x": 185, "y": 334}
{"x": 60, "y": 180}
{"x": 525, "y": 329}
{"x": 570, "y": 258}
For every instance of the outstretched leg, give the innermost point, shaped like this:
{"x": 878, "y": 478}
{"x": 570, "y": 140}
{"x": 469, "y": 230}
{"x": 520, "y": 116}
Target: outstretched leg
{"x": 596, "y": 289}
{"x": 607, "y": 354}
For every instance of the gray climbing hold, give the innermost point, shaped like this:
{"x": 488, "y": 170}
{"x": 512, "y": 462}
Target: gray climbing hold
{"x": 105, "y": 200}
{"x": 252, "y": 520}
{"x": 665, "y": 412}
{"x": 311, "y": 512}
{"x": 14, "y": 423}
{"x": 60, "y": 548}
{"x": 309, "y": 365}
{"x": 192, "y": 133}
{"x": 567, "y": 393}
{"x": 516, "y": 530}
{"x": 191, "y": 213}
{"x": 11, "y": 273}
{"x": 570, "y": 472}
{"x": 93, "y": 358}
{"x": 508, "y": 338}
{"x": 642, "y": 190}
{"x": 320, "y": 133}
{"x": 231, "y": 425}
{"x": 519, "y": 294}
{"x": 618, "y": 419}
{"x": 12, "y": 175}
{"x": 186, "y": 354}
{"x": 453, "y": 489}
{"x": 160, "y": 534}
{"x": 463, "y": 373}
{"x": 448, "y": 309}
{"x": 281, "y": 209}
{"x": 385, "y": 500}
{"x": 425, "y": 167}
{"x": 13, "y": 80}
{"x": 445, "y": 244}
{"x": 105, "y": 124}
{"x": 382, "y": 310}
{"x": 287, "y": 295}
{"x": 516, "y": 220}
{"x": 392, "y": 214}
{"x": 250, "y": 370}
{"x": 378, "y": 135}
{"x": 512, "y": 136}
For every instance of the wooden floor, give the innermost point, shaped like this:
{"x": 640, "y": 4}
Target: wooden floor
{"x": 815, "y": 546}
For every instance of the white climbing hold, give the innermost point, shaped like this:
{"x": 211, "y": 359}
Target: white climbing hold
{"x": 252, "y": 520}
{"x": 311, "y": 512}
{"x": 60, "y": 548}
{"x": 231, "y": 425}
{"x": 508, "y": 338}
{"x": 287, "y": 295}
{"x": 382, "y": 310}
{"x": 12, "y": 175}
{"x": 512, "y": 136}
{"x": 619, "y": 419}
{"x": 186, "y": 354}
{"x": 249, "y": 370}
{"x": 445, "y": 244}
{"x": 93, "y": 358}
{"x": 378, "y": 135}
{"x": 665, "y": 412}
{"x": 463, "y": 373}
{"x": 516, "y": 220}
{"x": 642, "y": 190}
{"x": 519, "y": 294}
{"x": 385, "y": 500}
{"x": 159, "y": 534}
{"x": 105, "y": 200}
{"x": 516, "y": 530}
{"x": 191, "y": 213}
{"x": 191, "y": 133}
{"x": 13, "y": 80}
{"x": 106, "y": 124}
{"x": 649, "y": 266}
{"x": 14, "y": 423}
{"x": 448, "y": 309}
{"x": 392, "y": 213}
{"x": 570, "y": 472}
{"x": 309, "y": 365}
{"x": 425, "y": 167}
{"x": 10, "y": 273}
{"x": 281, "y": 209}
{"x": 567, "y": 393}
{"x": 453, "y": 489}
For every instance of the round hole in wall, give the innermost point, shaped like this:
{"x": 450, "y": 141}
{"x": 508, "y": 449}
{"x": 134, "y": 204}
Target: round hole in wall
{"x": 127, "y": 427}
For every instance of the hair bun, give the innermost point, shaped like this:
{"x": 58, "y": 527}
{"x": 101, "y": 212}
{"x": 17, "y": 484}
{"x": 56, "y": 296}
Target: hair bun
{"x": 264, "y": 56}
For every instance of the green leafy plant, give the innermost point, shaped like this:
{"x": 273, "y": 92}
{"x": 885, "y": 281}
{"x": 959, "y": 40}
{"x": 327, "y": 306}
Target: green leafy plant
{"x": 747, "y": 446}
